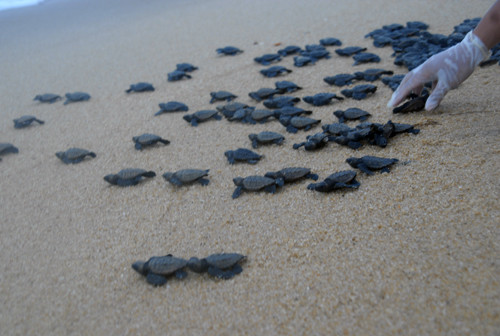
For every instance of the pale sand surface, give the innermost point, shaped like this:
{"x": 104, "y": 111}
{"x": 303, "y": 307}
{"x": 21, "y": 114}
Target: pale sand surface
{"x": 412, "y": 252}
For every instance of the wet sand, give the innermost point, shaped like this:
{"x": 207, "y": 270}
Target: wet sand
{"x": 411, "y": 252}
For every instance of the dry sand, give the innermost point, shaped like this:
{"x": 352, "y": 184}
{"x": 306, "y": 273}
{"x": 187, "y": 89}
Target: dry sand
{"x": 412, "y": 252}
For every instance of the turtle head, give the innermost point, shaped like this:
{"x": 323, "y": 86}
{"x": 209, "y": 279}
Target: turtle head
{"x": 197, "y": 265}
{"x": 139, "y": 267}
{"x": 252, "y": 136}
{"x": 60, "y": 155}
{"x": 111, "y": 178}
{"x": 238, "y": 181}
{"x": 353, "y": 162}
{"x": 339, "y": 113}
{"x": 187, "y": 117}
{"x": 167, "y": 175}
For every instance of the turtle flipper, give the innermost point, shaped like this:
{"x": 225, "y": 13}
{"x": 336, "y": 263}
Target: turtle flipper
{"x": 138, "y": 146}
{"x": 221, "y": 274}
{"x": 204, "y": 181}
{"x": 194, "y": 122}
{"x": 271, "y": 189}
{"x": 291, "y": 129}
{"x": 156, "y": 279}
{"x": 354, "y": 144}
{"x": 298, "y": 145}
{"x": 312, "y": 176}
{"x": 175, "y": 181}
{"x": 181, "y": 274}
{"x": 217, "y": 117}
{"x": 252, "y": 161}
{"x": 255, "y": 143}
{"x": 237, "y": 192}
{"x": 164, "y": 141}
{"x": 365, "y": 169}
{"x": 149, "y": 174}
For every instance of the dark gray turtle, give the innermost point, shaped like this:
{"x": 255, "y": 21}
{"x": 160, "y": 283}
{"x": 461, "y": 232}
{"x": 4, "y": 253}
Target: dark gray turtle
{"x": 393, "y": 81}
{"x": 140, "y": 87}
{"x": 405, "y": 128}
{"x": 229, "y": 109}
{"x": 255, "y": 183}
{"x": 128, "y": 177}
{"x": 341, "y": 79}
{"x": 293, "y": 124}
{"x": 26, "y": 120}
{"x": 289, "y": 50}
{"x": 321, "y": 99}
{"x": 186, "y": 67}
{"x": 177, "y": 75}
{"x": 229, "y": 50}
{"x": 74, "y": 155}
{"x": 263, "y": 93}
{"x": 313, "y": 47}
{"x": 279, "y": 102}
{"x": 47, "y": 98}
{"x": 242, "y": 155}
{"x": 274, "y": 71}
{"x": 359, "y": 91}
{"x": 313, "y": 142}
{"x": 330, "y": 41}
{"x": 300, "y": 61}
{"x": 371, "y": 75}
{"x": 349, "y": 51}
{"x": 290, "y": 111}
{"x": 368, "y": 164}
{"x": 172, "y": 106}
{"x": 316, "y": 54}
{"x": 76, "y": 97}
{"x": 353, "y": 138}
{"x": 336, "y": 128}
{"x": 221, "y": 95}
{"x": 260, "y": 116}
{"x": 266, "y": 138}
{"x": 201, "y": 116}
{"x": 267, "y": 59}
{"x": 287, "y": 86}
{"x": 148, "y": 139}
{"x": 187, "y": 176}
{"x": 413, "y": 105}
{"x": 364, "y": 57}
{"x": 157, "y": 270}
{"x": 339, "y": 180}
{"x": 242, "y": 115}
{"x": 220, "y": 265}
{"x": 6, "y": 148}
{"x": 292, "y": 174}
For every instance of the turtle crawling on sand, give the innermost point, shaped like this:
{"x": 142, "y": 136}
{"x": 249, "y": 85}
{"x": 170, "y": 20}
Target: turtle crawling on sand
{"x": 47, "y": 98}
{"x": 229, "y": 50}
{"x": 313, "y": 142}
{"x": 287, "y": 86}
{"x": 148, "y": 139}
{"x": 267, "y": 59}
{"x": 275, "y": 71}
{"x": 157, "y": 270}
{"x": 74, "y": 155}
{"x": 220, "y": 265}
{"x": 368, "y": 164}
{"x": 265, "y": 138}
{"x": 263, "y": 93}
{"x": 76, "y": 97}
{"x": 352, "y": 113}
{"x": 321, "y": 99}
{"x": 6, "y": 148}
{"x": 349, "y": 51}
{"x": 186, "y": 67}
{"x": 364, "y": 57}
{"x": 242, "y": 155}
{"x": 177, "y": 75}
{"x": 221, "y": 95}
{"x": 359, "y": 91}
{"x": 256, "y": 183}
{"x": 26, "y": 120}
{"x": 172, "y": 106}
{"x": 140, "y": 87}
{"x": 201, "y": 116}
{"x": 293, "y": 124}
{"x": 339, "y": 180}
{"x": 187, "y": 176}
{"x": 128, "y": 177}
{"x": 282, "y": 101}
{"x": 340, "y": 79}
{"x": 292, "y": 174}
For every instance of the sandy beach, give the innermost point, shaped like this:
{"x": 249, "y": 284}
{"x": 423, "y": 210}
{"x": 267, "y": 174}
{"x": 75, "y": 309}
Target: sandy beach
{"x": 412, "y": 252}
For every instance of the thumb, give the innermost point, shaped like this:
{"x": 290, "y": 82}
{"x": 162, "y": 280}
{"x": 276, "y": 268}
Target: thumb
{"x": 437, "y": 95}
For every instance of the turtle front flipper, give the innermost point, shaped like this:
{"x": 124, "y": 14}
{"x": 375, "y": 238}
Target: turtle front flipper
{"x": 181, "y": 274}
{"x": 221, "y": 274}
{"x": 41, "y": 122}
{"x": 271, "y": 189}
{"x": 175, "y": 181}
{"x": 298, "y": 145}
{"x": 204, "y": 181}
{"x": 291, "y": 129}
{"x": 237, "y": 192}
{"x": 365, "y": 169}
{"x": 312, "y": 176}
{"x": 138, "y": 146}
{"x": 194, "y": 122}
{"x": 156, "y": 279}
{"x": 217, "y": 117}
{"x": 149, "y": 174}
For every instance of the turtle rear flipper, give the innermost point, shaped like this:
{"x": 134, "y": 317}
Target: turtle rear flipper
{"x": 159, "y": 112}
{"x": 156, "y": 279}
{"x": 365, "y": 169}
{"x": 298, "y": 145}
{"x": 164, "y": 141}
{"x": 291, "y": 129}
{"x": 237, "y": 192}
{"x": 271, "y": 188}
{"x": 204, "y": 181}
{"x": 312, "y": 176}
{"x": 181, "y": 274}
{"x": 221, "y": 274}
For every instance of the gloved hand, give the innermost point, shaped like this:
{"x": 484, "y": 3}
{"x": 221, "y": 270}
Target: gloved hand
{"x": 445, "y": 70}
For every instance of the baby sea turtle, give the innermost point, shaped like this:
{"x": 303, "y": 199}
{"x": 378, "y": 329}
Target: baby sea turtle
{"x": 74, "y": 155}
{"x": 148, "y": 139}
{"x": 413, "y": 105}
{"x": 172, "y": 106}
{"x": 267, "y": 59}
{"x": 330, "y": 41}
{"x": 321, "y": 99}
{"x": 336, "y": 128}
{"x": 291, "y": 111}
{"x": 140, "y": 87}
{"x": 342, "y": 179}
{"x": 26, "y": 120}
{"x": 287, "y": 86}
{"x": 313, "y": 142}
{"x": 293, "y": 124}
{"x": 371, "y": 75}
{"x": 405, "y": 128}
{"x": 352, "y": 113}
{"x": 393, "y": 81}
{"x": 313, "y": 47}
{"x": 279, "y": 102}
{"x": 229, "y": 50}
{"x": 220, "y": 265}
{"x": 289, "y": 50}
{"x": 6, "y": 148}
{"x": 177, "y": 75}
{"x": 275, "y": 71}
{"x": 158, "y": 269}
{"x": 263, "y": 93}
{"x": 128, "y": 177}
{"x": 201, "y": 116}
{"x": 229, "y": 109}
{"x": 222, "y": 95}
{"x": 292, "y": 174}
{"x": 316, "y": 54}
{"x": 186, "y": 67}
{"x": 368, "y": 164}
{"x": 76, "y": 97}
{"x": 242, "y": 155}
{"x": 243, "y": 115}
{"x": 187, "y": 176}
{"x": 341, "y": 79}
{"x": 364, "y": 57}
{"x": 255, "y": 183}
{"x": 259, "y": 116}
{"x": 359, "y": 91}
{"x": 349, "y": 51}
{"x": 47, "y": 98}
{"x": 300, "y": 61}
{"x": 266, "y": 138}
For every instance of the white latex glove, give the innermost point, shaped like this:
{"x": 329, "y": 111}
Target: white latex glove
{"x": 445, "y": 70}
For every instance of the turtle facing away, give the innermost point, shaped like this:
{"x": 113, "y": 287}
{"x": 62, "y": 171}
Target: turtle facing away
{"x": 364, "y": 57}
{"x": 315, "y": 141}
{"x": 275, "y": 71}
{"x": 342, "y": 179}
{"x": 157, "y": 270}
{"x": 26, "y": 120}
{"x": 177, "y": 75}
{"x": 172, "y": 106}
{"x": 229, "y": 50}
{"x": 242, "y": 155}
{"x": 186, "y": 67}
{"x": 47, "y": 98}
{"x": 352, "y": 113}
{"x": 266, "y": 138}
{"x": 148, "y": 139}
{"x": 6, "y": 148}
{"x": 201, "y": 116}
{"x": 74, "y": 155}
{"x": 287, "y": 86}
{"x": 292, "y": 174}
{"x": 359, "y": 91}
{"x": 368, "y": 164}
{"x": 321, "y": 99}
{"x": 76, "y": 97}
{"x": 256, "y": 183}
{"x": 220, "y": 265}
{"x": 140, "y": 87}
{"x": 128, "y": 177}
{"x": 187, "y": 176}
{"x": 222, "y": 95}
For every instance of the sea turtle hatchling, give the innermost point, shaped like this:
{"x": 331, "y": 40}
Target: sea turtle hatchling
{"x": 186, "y": 67}
{"x": 47, "y": 98}
{"x": 292, "y": 174}
{"x": 265, "y": 137}
{"x": 177, "y": 75}
{"x": 275, "y": 71}
{"x": 267, "y": 59}
{"x": 291, "y": 111}
{"x": 341, "y": 79}
{"x": 74, "y": 155}
{"x": 282, "y": 101}
{"x": 313, "y": 142}
{"x": 371, "y": 75}
{"x": 415, "y": 104}
{"x": 359, "y": 91}
{"x": 330, "y": 41}
{"x": 148, "y": 139}
{"x": 242, "y": 155}
{"x": 259, "y": 116}
{"x": 220, "y": 265}
{"x": 187, "y": 176}
{"x": 300, "y": 61}
{"x": 293, "y": 124}
{"x": 256, "y": 183}
{"x": 289, "y": 50}
{"x": 128, "y": 177}
{"x": 321, "y": 99}
{"x": 368, "y": 164}
{"x": 201, "y": 116}
{"x": 339, "y": 180}
{"x": 349, "y": 51}
{"x": 264, "y": 93}
{"x": 229, "y": 51}
{"x": 140, "y": 87}
{"x": 76, "y": 97}
{"x": 6, "y": 148}
{"x": 172, "y": 106}
{"x": 157, "y": 270}
{"x": 287, "y": 86}
{"x": 26, "y": 120}
{"x": 221, "y": 95}
{"x": 352, "y": 113}
{"x": 364, "y": 57}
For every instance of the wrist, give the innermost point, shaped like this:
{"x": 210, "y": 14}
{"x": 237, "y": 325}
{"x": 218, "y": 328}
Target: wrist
{"x": 476, "y": 42}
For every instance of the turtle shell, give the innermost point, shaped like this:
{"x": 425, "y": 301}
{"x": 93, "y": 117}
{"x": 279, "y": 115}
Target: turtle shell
{"x": 224, "y": 260}
{"x": 205, "y": 114}
{"x": 257, "y": 182}
{"x": 190, "y": 175}
{"x": 268, "y": 136}
{"x": 164, "y": 265}
{"x": 77, "y": 153}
